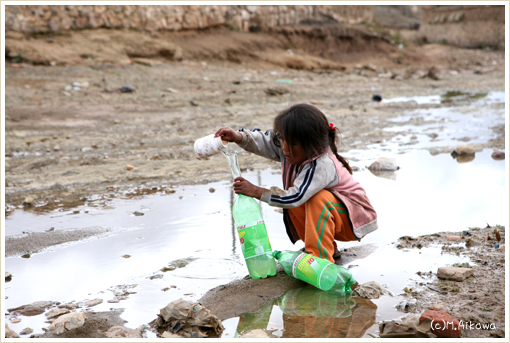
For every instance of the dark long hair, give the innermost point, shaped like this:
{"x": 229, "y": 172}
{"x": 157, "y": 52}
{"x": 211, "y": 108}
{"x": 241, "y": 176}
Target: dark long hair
{"x": 307, "y": 125}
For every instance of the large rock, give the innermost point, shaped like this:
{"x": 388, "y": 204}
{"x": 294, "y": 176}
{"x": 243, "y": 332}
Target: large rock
{"x": 67, "y": 322}
{"x": 442, "y": 323}
{"x": 454, "y": 273}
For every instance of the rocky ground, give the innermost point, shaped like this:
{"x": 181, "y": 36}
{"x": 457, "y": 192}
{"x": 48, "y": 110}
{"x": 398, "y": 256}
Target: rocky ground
{"x": 93, "y": 112}
{"x": 476, "y": 299}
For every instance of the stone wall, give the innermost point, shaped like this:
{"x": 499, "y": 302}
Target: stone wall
{"x": 31, "y": 19}
{"x": 465, "y": 26}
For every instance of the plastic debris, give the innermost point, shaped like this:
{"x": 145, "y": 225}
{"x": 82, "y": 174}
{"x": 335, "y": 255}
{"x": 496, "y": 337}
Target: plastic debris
{"x": 125, "y": 89}
{"x": 190, "y": 320}
{"x": 453, "y": 238}
{"x": 284, "y": 81}
{"x": 376, "y": 97}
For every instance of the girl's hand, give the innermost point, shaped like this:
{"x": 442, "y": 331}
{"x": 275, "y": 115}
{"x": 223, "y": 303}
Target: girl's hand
{"x": 229, "y": 135}
{"x": 245, "y": 187}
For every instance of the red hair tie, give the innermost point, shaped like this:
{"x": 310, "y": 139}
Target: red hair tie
{"x": 332, "y": 126}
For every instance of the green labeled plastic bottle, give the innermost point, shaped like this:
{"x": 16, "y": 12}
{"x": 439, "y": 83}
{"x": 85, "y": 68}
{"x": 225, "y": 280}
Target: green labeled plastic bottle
{"x": 316, "y": 271}
{"x": 311, "y": 301}
{"x": 251, "y": 230}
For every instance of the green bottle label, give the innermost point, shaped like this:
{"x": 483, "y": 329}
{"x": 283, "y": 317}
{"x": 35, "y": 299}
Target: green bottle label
{"x": 309, "y": 268}
{"x": 254, "y": 239}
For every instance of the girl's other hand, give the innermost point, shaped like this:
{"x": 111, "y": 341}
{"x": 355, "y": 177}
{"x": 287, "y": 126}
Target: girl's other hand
{"x": 245, "y": 187}
{"x": 229, "y": 135}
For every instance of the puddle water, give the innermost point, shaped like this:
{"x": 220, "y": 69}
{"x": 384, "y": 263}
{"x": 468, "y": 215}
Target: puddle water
{"x": 184, "y": 244}
{"x": 440, "y": 127}
{"x": 450, "y": 95}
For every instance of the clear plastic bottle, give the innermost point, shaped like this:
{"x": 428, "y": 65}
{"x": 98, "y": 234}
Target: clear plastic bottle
{"x": 316, "y": 271}
{"x": 251, "y": 230}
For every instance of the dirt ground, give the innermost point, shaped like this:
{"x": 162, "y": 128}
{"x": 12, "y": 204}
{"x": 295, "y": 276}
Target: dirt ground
{"x": 478, "y": 300}
{"x": 73, "y": 133}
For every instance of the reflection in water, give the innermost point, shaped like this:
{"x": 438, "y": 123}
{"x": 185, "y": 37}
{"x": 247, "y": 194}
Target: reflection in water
{"x": 387, "y": 174}
{"x": 463, "y": 158}
{"x": 311, "y": 313}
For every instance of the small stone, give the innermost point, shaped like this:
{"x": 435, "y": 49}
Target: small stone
{"x": 464, "y": 150}
{"x": 385, "y": 164}
{"x": 16, "y": 320}
{"x": 43, "y": 304}
{"x": 126, "y": 256}
{"x": 129, "y": 167}
{"x": 169, "y": 190}
{"x": 26, "y": 331}
{"x": 454, "y": 273}
{"x": 442, "y": 323}
{"x": 453, "y": 238}
{"x": 316, "y": 102}
{"x": 56, "y": 148}
{"x": 212, "y": 190}
{"x": 138, "y": 213}
{"x": 8, "y": 276}
{"x": 29, "y": 201}
{"x": 31, "y": 310}
{"x": 94, "y": 302}
{"x": 433, "y": 73}
{"x": 498, "y": 155}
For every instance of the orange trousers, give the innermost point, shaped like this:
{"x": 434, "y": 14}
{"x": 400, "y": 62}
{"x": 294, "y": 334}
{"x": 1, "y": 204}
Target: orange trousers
{"x": 319, "y": 221}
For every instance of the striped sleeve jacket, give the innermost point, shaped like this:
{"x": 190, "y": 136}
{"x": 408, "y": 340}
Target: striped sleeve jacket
{"x": 323, "y": 171}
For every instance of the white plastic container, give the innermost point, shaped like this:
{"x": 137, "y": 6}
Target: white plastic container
{"x": 208, "y": 146}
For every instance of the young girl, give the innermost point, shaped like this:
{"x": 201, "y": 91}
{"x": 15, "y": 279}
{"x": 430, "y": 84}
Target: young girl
{"x": 321, "y": 201}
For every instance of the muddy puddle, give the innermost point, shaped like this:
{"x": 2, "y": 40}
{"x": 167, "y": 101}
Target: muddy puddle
{"x": 155, "y": 247}
{"x": 140, "y": 250}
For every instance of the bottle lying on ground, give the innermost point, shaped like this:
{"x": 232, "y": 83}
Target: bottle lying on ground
{"x": 316, "y": 271}
{"x": 251, "y": 230}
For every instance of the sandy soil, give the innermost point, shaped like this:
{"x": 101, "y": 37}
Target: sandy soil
{"x": 70, "y": 132}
